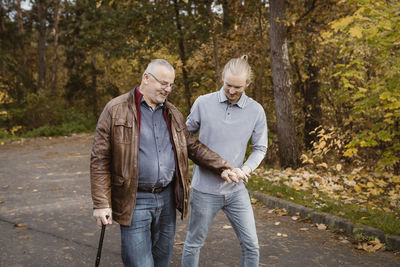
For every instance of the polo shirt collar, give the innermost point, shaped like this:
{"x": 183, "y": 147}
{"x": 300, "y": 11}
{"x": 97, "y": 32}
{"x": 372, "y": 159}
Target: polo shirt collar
{"x": 222, "y": 98}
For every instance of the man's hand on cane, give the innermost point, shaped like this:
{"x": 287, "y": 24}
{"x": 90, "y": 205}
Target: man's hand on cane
{"x": 100, "y": 216}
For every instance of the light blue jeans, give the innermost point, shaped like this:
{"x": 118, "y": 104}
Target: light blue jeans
{"x": 149, "y": 240}
{"x": 237, "y": 208}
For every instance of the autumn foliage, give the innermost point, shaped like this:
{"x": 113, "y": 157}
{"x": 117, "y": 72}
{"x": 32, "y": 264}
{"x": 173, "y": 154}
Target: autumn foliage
{"x": 344, "y": 57}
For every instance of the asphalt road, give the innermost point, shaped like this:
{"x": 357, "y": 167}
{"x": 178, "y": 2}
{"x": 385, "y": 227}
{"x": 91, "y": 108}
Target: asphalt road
{"x": 46, "y": 219}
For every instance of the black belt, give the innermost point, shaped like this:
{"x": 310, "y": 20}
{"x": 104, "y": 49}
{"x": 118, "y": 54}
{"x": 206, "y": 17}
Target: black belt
{"x": 154, "y": 190}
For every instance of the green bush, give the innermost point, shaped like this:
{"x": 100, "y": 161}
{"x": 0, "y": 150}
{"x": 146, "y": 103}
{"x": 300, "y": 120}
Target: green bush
{"x": 65, "y": 128}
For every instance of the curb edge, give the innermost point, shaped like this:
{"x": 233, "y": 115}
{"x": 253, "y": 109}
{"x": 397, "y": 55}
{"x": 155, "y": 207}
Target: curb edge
{"x": 332, "y": 221}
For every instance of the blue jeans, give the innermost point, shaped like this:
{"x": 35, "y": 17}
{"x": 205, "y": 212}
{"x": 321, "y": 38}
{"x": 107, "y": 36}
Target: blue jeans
{"x": 237, "y": 208}
{"x": 149, "y": 240}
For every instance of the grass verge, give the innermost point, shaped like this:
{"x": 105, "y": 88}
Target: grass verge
{"x": 367, "y": 216}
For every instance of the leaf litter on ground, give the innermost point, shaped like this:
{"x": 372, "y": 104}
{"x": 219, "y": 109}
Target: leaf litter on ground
{"x": 378, "y": 191}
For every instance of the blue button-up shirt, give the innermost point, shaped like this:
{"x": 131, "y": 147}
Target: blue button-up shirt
{"x": 226, "y": 129}
{"x": 156, "y": 155}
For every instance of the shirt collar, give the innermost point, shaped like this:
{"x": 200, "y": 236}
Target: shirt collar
{"x": 159, "y": 106}
{"x": 222, "y": 98}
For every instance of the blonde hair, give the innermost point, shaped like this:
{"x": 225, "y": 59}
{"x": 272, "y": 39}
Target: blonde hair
{"x": 239, "y": 66}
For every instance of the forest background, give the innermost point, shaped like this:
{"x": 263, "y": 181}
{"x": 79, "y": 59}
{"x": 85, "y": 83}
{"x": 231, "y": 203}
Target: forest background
{"x": 327, "y": 73}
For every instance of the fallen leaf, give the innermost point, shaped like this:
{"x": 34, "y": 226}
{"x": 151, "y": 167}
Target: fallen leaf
{"x": 295, "y": 218}
{"x": 321, "y": 226}
{"x": 277, "y": 223}
{"x": 25, "y": 237}
{"x": 20, "y": 226}
{"x": 304, "y": 229}
{"x": 88, "y": 234}
{"x": 338, "y": 167}
{"x": 226, "y": 227}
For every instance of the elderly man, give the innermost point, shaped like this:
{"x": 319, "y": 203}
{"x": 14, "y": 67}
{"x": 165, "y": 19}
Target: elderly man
{"x": 139, "y": 167}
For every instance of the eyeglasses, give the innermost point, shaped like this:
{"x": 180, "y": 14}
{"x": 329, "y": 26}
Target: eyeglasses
{"x": 164, "y": 84}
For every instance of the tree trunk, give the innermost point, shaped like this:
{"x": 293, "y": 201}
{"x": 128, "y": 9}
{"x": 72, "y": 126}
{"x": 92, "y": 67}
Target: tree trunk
{"x": 182, "y": 54}
{"x": 288, "y": 147}
{"x": 215, "y": 46}
{"x": 42, "y": 10}
{"x": 56, "y": 34}
{"x": 312, "y": 108}
{"x": 259, "y": 90}
{"x": 94, "y": 85}
{"x": 22, "y": 59}
{"x": 228, "y": 18}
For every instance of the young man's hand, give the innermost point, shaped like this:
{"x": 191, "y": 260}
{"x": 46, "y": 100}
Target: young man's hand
{"x": 247, "y": 171}
{"x": 242, "y": 174}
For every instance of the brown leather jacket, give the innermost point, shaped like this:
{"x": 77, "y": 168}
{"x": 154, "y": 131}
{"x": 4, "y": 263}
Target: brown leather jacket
{"x": 114, "y": 158}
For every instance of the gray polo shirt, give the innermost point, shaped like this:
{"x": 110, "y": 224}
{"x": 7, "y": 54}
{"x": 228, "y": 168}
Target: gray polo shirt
{"x": 156, "y": 155}
{"x": 226, "y": 129}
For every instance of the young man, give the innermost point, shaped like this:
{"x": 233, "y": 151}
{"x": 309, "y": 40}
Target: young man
{"x": 227, "y": 120}
{"x": 139, "y": 167}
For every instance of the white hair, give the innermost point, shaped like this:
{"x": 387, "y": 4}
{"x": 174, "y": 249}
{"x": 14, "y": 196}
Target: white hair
{"x": 159, "y": 62}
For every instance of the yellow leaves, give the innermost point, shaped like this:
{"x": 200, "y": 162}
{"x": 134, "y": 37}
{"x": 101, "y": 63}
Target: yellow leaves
{"x": 371, "y": 246}
{"x": 322, "y": 144}
{"x": 98, "y": 4}
{"x": 326, "y": 34}
{"x": 15, "y": 129}
{"x": 323, "y": 164}
{"x": 374, "y": 191}
{"x": 360, "y": 187}
{"x": 356, "y": 32}
{"x": 370, "y": 185}
{"x": 357, "y": 188}
{"x": 306, "y": 160}
{"x": 342, "y": 23}
{"x": 338, "y": 167}
{"x": 350, "y": 152}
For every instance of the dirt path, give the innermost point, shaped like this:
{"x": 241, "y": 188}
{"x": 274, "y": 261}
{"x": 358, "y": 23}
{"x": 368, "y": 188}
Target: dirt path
{"x": 46, "y": 219}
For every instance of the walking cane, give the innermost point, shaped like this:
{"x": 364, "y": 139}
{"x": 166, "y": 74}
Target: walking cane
{"x": 103, "y": 230}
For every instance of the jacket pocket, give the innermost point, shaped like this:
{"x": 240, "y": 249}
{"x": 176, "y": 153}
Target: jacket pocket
{"x": 122, "y": 131}
{"x": 118, "y": 180}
